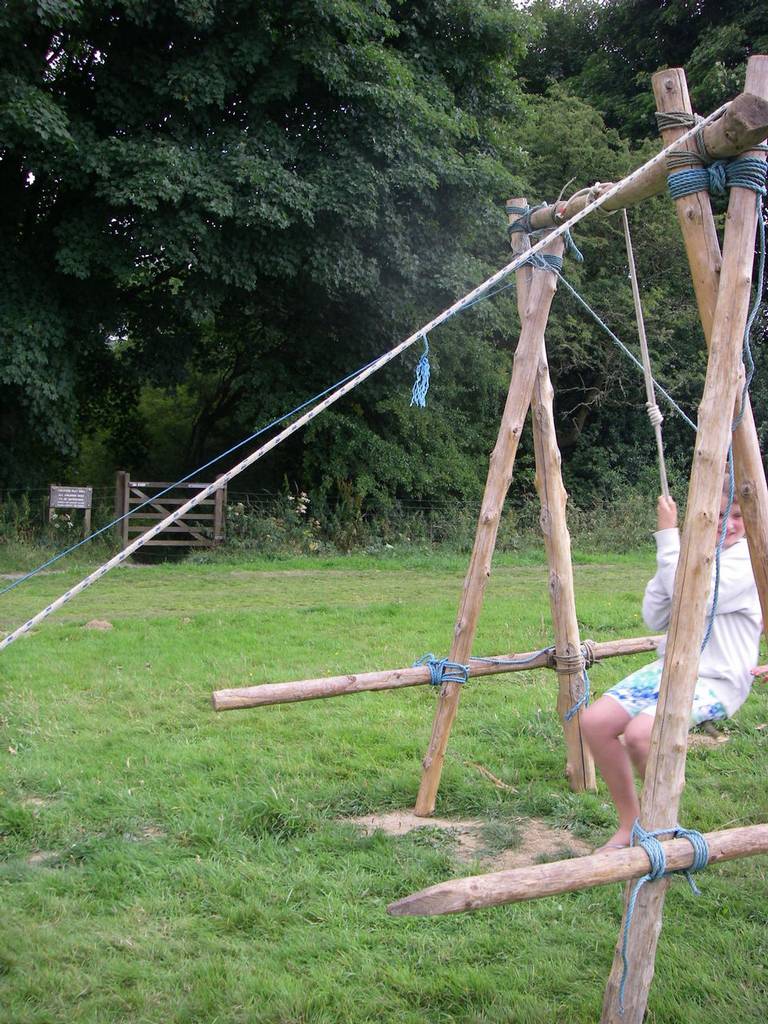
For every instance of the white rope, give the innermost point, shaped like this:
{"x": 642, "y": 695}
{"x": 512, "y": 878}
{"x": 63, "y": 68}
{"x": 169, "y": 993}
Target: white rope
{"x": 654, "y": 413}
{"x": 660, "y": 158}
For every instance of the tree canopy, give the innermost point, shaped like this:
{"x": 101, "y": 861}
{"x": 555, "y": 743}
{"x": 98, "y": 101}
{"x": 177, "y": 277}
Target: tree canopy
{"x": 211, "y": 211}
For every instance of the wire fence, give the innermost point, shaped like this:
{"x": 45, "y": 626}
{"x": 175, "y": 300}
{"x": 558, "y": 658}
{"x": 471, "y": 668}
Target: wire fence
{"x": 273, "y": 523}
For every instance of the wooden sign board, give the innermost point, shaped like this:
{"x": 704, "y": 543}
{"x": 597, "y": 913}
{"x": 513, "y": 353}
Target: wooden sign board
{"x": 70, "y": 497}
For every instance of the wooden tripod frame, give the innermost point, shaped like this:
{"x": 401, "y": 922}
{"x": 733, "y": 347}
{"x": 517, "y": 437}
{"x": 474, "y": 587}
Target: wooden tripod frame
{"x": 722, "y": 285}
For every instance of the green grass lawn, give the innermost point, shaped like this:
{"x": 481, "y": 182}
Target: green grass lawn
{"x": 161, "y": 864}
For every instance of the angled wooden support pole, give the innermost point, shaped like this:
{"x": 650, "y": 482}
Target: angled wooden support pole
{"x": 579, "y": 764}
{"x": 666, "y": 764}
{"x": 702, "y": 246}
{"x": 502, "y": 461}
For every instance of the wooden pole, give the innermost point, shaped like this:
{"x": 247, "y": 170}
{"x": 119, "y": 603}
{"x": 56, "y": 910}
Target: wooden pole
{"x": 541, "y": 293}
{"x": 396, "y": 678}
{"x": 694, "y": 213}
{"x": 666, "y": 764}
{"x": 540, "y": 880}
{"x": 122, "y": 491}
{"x": 219, "y": 509}
{"x": 743, "y": 125}
{"x": 579, "y": 764}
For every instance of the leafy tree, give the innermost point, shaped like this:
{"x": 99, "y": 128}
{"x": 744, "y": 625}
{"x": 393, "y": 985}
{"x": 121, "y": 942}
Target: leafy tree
{"x": 608, "y": 51}
{"x": 253, "y": 196}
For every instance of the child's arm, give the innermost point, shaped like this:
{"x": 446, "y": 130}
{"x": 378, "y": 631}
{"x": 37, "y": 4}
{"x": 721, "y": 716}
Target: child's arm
{"x": 657, "y": 601}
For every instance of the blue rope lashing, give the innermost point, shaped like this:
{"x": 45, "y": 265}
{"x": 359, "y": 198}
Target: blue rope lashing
{"x": 421, "y": 378}
{"x": 441, "y": 670}
{"x": 749, "y": 365}
{"x": 523, "y": 224}
{"x": 658, "y": 869}
{"x": 545, "y": 261}
{"x": 742, "y": 172}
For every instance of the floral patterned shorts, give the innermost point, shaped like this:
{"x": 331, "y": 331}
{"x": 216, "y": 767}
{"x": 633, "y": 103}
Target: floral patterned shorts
{"x": 639, "y": 693}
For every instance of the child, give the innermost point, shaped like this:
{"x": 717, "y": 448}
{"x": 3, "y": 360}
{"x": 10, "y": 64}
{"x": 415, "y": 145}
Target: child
{"x": 628, "y": 709}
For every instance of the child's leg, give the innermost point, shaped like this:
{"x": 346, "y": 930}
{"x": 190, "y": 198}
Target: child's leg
{"x": 637, "y": 735}
{"x": 637, "y": 740}
{"x": 602, "y": 724}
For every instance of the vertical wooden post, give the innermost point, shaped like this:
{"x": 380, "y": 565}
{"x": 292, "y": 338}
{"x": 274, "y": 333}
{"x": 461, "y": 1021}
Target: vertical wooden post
{"x": 666, "y": 765}
{"x": 579, "y": 765}
{"x": 541, "y": 293}
{"x": 122, "y": 492}
{"x": 219, "y": 505}
{"x": 694, "y": 213}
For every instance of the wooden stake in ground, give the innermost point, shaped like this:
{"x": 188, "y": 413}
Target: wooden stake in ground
{"x": 579, "y": 765}
{"x": 694, "y": 213}
{"x": 666, "y": 764}
{"x": 502, "y": 461}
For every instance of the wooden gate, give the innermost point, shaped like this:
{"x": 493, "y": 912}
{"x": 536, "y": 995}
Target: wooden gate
{"x": 201, "y": 527}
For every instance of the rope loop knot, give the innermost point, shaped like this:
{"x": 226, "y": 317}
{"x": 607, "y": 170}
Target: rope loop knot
{"x": 441, "y": 670}
{"x": 657, "y": 859}
{"x": 654, "y": 414}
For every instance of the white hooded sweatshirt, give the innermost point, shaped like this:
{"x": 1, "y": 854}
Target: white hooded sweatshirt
{"x": 733, "y": 646}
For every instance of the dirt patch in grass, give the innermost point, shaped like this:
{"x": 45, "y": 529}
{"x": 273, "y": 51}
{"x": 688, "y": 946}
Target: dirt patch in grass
{"x": 697, "y": 740}
{"x": 98, "y": 624}
{"x": 535, "y": 840}
{"x": 540, "y": 842}
{"x": 42, "y": 858}
{"x": 144, "y": 834}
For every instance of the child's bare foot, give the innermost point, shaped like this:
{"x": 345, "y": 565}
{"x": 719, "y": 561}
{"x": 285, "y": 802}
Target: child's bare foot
{"x": 618, "y": 841}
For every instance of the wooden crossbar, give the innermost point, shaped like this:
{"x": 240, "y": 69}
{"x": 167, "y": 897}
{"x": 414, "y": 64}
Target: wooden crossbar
{"x": 742, "y": 126}
{"x": 389, "y": 679}
{"x": 557, "y": 877}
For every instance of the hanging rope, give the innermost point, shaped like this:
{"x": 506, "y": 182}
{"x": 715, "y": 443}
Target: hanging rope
{"x": 623, "y": 348}
{"x": 654, "y": 413}
{"x": 719, "y": 550}
{"x": 421, "y": 382}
